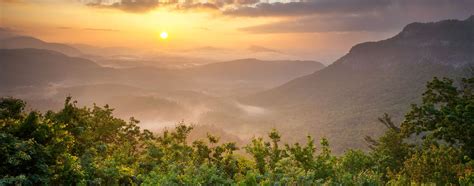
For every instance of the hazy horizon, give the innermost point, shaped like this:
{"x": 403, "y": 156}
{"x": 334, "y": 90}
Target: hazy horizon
{"x": 319, "y": 30}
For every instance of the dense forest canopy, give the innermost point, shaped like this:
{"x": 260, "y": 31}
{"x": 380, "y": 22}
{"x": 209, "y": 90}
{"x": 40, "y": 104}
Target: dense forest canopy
{"x": 89, "y": 146}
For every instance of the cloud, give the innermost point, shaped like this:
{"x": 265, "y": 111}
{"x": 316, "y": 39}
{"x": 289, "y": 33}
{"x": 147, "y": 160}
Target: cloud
{"x": 102, "y": 29}
{"x": 207, "y": 49}
{"x": 391, "y": 17}
{"x": 197, "y": 6}
{"x": 308, "y": 16}
{"x": 125, "y": 5}
{"x": 140, "y": 6}
{"x": 88, "y": 29}
{"x": 328, "y": 24}
{"x": 346, "y": 7}
{"x": 252, "y": 8}
{"x": 308, "y": 8}
{"x": 246, "y": 2}
{"x": 11, "y": 1}
{"x": 64, "y": 28}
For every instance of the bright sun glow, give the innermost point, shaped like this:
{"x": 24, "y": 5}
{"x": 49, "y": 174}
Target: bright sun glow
{"x": 164, "y": 35}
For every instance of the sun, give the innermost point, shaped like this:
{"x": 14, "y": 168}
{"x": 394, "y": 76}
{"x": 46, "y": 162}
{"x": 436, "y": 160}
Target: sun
{"x": 164, "y": 35}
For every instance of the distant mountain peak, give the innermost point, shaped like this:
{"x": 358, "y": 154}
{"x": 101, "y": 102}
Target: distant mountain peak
{"x": 18, "y": 42}
{"x": 454, "y": 30}
{"x": 451, "y": 34}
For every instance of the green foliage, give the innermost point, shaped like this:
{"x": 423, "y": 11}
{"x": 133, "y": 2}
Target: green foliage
{"x": 390, "y": 150}
{"x": 89, "y": 146}
{"x": 445, "y": 115}
{"x": 11, "y": 108}
{"x": 439, "y": 165}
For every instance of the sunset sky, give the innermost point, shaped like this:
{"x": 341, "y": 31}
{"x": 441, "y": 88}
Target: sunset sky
{"x": 321, "y": 30}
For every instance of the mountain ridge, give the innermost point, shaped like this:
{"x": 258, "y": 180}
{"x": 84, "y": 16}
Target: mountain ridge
{"x": 372, "y": 78}
{"x": 18, "y": 42}
{"x": 48, "y": 66}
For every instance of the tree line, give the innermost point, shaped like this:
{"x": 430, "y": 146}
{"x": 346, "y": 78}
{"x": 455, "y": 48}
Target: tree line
{"x": 89, "y": 146}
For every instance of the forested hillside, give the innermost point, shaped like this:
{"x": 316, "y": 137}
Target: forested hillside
{"x": 89, "y": 146}
{"x": 342, "y": 100}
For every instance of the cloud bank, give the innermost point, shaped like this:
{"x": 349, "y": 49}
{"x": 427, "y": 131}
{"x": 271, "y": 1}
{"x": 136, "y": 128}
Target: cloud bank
{"x": 320, "y": 16}
{"x": 314, "y": 16}
{"x": 140, "y": 6}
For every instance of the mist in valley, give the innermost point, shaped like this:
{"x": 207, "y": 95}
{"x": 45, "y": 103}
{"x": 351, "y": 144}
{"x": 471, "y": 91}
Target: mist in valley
{"x": 159, "y": 90}
{"x": 211, "y": 88}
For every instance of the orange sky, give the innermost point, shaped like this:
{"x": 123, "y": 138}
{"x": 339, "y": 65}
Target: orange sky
{"x": 71, "y": 21}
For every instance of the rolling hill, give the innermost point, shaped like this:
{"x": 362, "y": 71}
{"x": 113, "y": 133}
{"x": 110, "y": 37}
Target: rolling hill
{"x": 254, "y": 70}
{"x": 37, "y": 67}
{"x": 26, "y": 67}
{"x": 45, "y": 78}
{"x": 247, "y": 76}
{"x": 19, "y": 42}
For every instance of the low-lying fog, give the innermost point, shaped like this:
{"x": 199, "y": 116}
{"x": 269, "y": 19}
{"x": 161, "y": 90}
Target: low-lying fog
{"x": 205, "y": 95}
{"x": 156, "y": 110}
